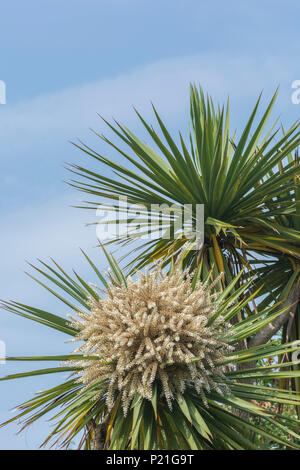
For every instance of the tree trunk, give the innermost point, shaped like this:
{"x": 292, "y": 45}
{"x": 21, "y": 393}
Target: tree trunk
{"x": 99, "y": 437}
{"x": 266, "y": 333}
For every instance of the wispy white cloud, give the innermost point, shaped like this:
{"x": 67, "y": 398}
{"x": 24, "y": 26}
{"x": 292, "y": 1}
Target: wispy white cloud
{"x": 68, "y": 113}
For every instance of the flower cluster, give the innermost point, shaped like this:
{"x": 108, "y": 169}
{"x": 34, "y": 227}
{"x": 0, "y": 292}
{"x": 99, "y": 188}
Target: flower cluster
{"x": 157, "y": 328}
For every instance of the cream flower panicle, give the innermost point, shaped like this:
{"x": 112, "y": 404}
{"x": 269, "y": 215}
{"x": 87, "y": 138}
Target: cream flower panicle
{"x": 156, "y": 328}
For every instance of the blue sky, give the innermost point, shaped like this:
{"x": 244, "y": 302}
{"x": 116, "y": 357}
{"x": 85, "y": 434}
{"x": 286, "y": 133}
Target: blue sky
{"x": 65, "y": 61}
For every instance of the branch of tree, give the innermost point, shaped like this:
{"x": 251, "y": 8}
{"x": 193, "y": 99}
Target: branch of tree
{"x": 266, "y": 333}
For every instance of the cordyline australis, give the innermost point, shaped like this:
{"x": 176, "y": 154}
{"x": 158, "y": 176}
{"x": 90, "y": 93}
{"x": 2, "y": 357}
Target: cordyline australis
{"x": 248, "y": 183}
{"x": 158, "y": 365}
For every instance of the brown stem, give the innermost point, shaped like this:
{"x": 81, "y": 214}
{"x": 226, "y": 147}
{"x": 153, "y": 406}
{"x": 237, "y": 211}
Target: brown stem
{"x": 100, "y": 432}
{"x": 266, "y": 333}
{"x": 99, "y": 437}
